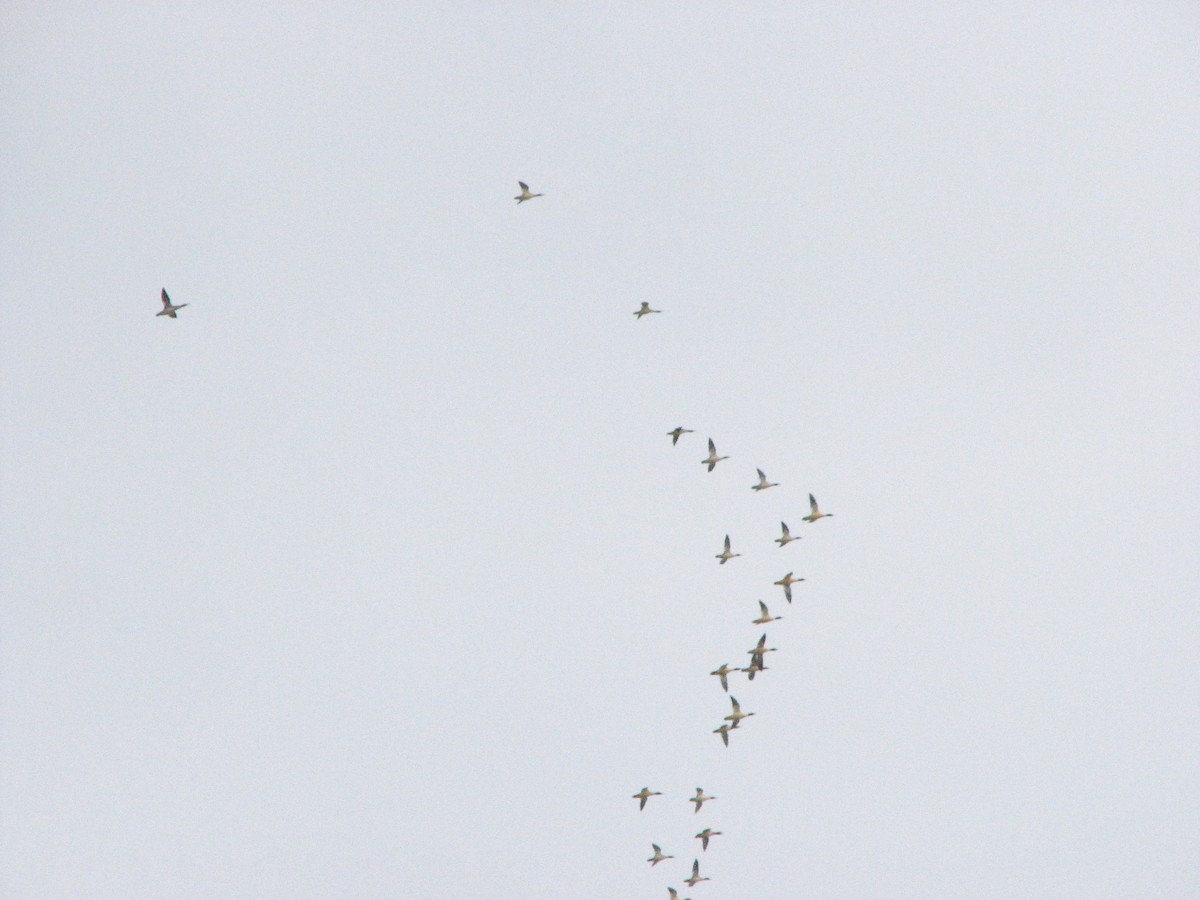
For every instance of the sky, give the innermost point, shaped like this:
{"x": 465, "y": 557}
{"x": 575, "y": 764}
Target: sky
{"x": 374, "y": 573}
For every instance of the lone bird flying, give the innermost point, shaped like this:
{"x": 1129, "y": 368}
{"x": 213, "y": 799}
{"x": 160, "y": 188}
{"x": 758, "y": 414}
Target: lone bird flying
{"x": 524, "y": 195}
{"x": 712, "y": 459}
{"x": 816, "y": 513}
{"x": 169, "y": 308}
{"x": 646, "y": 310}
{"x": 645, "y": 794}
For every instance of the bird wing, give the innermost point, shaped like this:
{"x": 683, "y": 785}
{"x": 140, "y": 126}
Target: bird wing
{"x": 786, "y": 533}
{"x": 736, "y": 706}
{"x": 763, "y": 607}
{"x": 812, "y": 501}
{"x": 761, "y": 476}
{"x": 726, "y": 543}
{"x": 695, "y": 867}
{"x": 165, "y": 299}
{"x": 712, "y": 448}
{"x": 524, "y": 186}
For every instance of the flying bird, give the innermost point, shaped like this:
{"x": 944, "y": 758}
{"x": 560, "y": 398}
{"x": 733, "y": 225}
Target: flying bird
{"x": 756, "y": 666}
{"x": 677, "y": 433}
{"x": 646, "y": 310}
{"x": 524, "y": 195}
{"x": 674, "y": 894}
{"x": 786, "y": 583}
{"x": 763, "y": 484}
{"x": 816, "y": 513}
{"x": 658, "y": 856}
{"x": 713, "y": 459}
{"x": 766, "y": 616}
{"x": 722, "y": 673}
{"x": 169, "y": 308}
{"x": 695, "y": 879}
{"x": 645, "y": 794}
{"x": 705, "y": 835}
{"x": 737, "y": 715}
{"x": 725, "y": 556}
{"x": 723, "y": 731}
{"x": 786, "y": 538}
{"x": 759, "y": 649}
{"x": 700, "y": 799}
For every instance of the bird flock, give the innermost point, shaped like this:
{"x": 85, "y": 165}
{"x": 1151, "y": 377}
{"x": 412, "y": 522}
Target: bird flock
{"x": 757, "y": 653}
{"x": 733, "y": 721}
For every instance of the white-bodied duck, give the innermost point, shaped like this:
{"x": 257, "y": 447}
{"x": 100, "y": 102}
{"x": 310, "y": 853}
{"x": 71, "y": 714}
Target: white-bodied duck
{"x": 695, "y": 879}
{"x": 757, "y": 651}
{"x": 737, "y": 715}
{"x": 763, "y": 484}
{"x": 704, "y": 836}
{"x": 766, "y": 618}
{"x": 676, "y": 433}
{"x": 786, "y": 538}
{"x": 725, "y": 555}
{"x": 723, "y": 674}
{"x": 168, "y": 307}
{"x": 524, "y": 195}
{"x": 645, "y": 794}
{"x": 700, "y": 799}
{"x": 658, "y": 856}
{"x": 712, "y": 459}
{"x": 786, "y": 583}
{"x": 816, "y": 513}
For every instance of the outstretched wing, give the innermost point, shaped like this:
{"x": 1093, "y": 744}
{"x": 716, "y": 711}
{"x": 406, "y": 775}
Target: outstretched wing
{"x": 812, "y": 502}
{"x": 165, "y": 299}
{"x": 524, "y": 186}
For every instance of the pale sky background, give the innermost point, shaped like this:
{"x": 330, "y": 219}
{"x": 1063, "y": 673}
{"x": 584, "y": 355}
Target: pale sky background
{"x": 374, "y": 574}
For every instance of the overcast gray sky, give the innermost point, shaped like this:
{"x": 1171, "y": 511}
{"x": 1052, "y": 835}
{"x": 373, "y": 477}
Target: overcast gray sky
{"x": 374, "y": 573}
